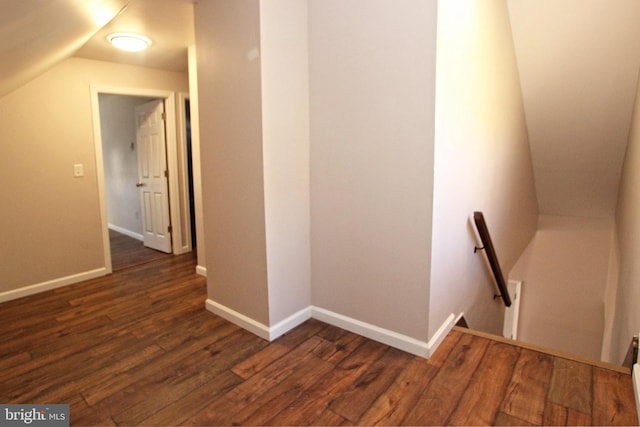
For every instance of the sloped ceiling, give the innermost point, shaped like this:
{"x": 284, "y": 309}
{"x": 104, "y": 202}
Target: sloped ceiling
{"x": 37, "y": 34}
{"x": 578, "y": 62}
{"x": 169, "y": 25}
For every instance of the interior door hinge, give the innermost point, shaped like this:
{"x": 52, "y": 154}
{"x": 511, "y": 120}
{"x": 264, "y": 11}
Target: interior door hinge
{"x": 166, "y": 174}
{"x": 169, "y": 229}
{"x": 164, "y": 116}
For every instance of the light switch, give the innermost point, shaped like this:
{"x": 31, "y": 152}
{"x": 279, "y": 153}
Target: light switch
{"x": 78, "y": 170}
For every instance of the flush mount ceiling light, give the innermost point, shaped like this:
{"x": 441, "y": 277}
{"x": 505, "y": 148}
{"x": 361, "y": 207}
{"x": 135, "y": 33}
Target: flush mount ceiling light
{"x": 129, "y": 41}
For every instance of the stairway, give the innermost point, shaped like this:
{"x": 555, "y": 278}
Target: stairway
{"x": 523, "y": 384}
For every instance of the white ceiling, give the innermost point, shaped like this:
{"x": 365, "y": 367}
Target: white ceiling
{"x": 578, "y": 62}
{"x": 169, "y": 25}
{"x": 36, "y": 34}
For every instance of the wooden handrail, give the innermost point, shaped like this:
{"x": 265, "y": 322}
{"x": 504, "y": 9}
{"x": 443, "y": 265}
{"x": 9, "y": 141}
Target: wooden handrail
{"x": 487, "y": 245}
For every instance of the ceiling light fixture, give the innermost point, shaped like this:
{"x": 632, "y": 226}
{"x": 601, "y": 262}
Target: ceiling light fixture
{"x": 129, "y": 41}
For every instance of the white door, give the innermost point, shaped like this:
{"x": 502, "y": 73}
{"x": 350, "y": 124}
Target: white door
{"x": 152, "y": 175}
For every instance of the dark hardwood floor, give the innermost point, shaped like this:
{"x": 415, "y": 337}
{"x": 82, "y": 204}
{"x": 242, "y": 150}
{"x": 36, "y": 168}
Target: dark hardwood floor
{"x": 138, "y": 348}
{"x": 128, "y": 252}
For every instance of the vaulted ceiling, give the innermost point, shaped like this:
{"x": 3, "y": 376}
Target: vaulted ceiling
{"x": 168, "y": 23}
{"x": 37, "y": 34}
{"x": 578, "y": 62}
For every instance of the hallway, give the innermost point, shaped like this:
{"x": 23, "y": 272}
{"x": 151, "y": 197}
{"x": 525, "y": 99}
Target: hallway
{"x": 138, "y": 348}
{"x": 128, "y": 252}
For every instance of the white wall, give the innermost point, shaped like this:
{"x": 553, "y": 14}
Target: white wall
{"x": 372, "y": 115}
{"x": 230, "y": 115}
{"x": 120, "y": 157}
{"x": 373, "y": 108}
{"x": 372, "y": 101}
{"x": 254, "y": 128}
{"x": 285, "y": 122}
{"x": 564, "y": 272}
{"x": 51, "y": 219}
{"x": 482, "y": 161}
{"x": 627, "y": 317}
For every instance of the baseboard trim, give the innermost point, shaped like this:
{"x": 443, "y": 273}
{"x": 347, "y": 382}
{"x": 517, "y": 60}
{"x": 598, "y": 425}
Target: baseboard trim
{"x": 376, "y": 333}
{"x": 255, "y": 327}
{"x": 200, "y": 270}
{"x": 51, "y": 284}
{"x": 126, "y": 232}
{"x": 239, "y": 319}
{"x": 636, "y": 386}
{"x": 289, "y": 323}
{"x": 441, "y": 334}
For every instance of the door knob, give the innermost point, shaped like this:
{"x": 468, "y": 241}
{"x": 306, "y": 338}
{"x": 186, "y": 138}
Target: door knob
{"x": 140, "y": 184}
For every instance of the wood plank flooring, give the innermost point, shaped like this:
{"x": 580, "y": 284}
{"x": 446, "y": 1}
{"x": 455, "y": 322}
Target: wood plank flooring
{"x": 128, "y": 252}
{"x": 138, "y": 348}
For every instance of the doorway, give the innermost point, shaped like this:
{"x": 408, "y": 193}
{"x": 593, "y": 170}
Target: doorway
{"x": 189, "y": 156}
{"x": 121, "y": 159}
{"x": 174, "y": 172}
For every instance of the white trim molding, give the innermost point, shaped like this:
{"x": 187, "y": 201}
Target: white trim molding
{"x": 200, "y": 270}
{"x": 183, "y": 167}
{"x": 386, "y": 336}
{"x": 635, "y": 372}
{"x": 636, "y": 385}
{"x": 268, "y": 333}
{"x": 126, "y": 232}
{"x": 51, "y": 284}
{"x": 285, "y": 325}
{"x": 441, "y": 333}
{"x": 512, "y": 313}
{"x": 239, "y": 319}
{"x": 169, "y": 99}
{"x": 376, "y": 333}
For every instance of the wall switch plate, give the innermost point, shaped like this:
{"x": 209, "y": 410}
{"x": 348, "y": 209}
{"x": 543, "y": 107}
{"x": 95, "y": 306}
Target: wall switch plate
{"x": 78, "y": 170}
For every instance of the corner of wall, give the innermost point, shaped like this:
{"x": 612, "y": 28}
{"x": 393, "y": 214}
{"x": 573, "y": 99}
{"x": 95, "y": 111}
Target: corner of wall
{"x": 263, "y": 331}
{"x": 441, "y": 333}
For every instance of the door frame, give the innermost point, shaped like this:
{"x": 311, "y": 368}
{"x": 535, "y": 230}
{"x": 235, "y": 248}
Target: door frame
{"x": 182, "y": 158}
{"x": 172, "y": 161}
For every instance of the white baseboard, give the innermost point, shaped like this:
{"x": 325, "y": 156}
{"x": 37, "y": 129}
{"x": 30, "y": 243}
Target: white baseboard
{"x": 239, "y": 319}
{"x": 284, "y": 326}
{"x": 255, "y": 327}
{"x": 636, "y": 386}
{"x": 385, "y": 336}
{"x": 202, "y": 271}
{"x": 126, "y": 232}
{"x": 441, "y": 333}
{"x": 51, "y": 284}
